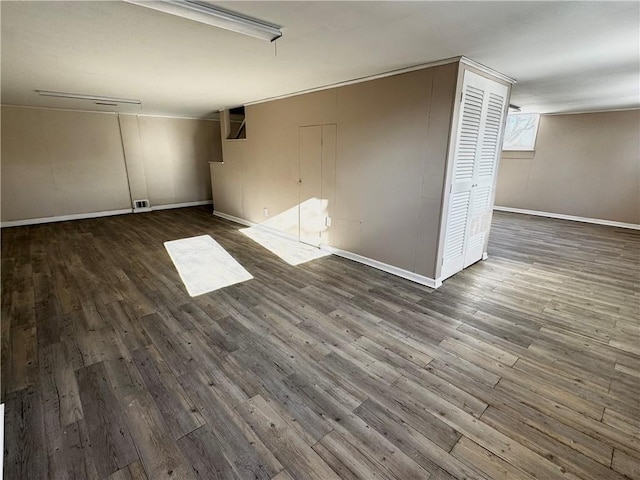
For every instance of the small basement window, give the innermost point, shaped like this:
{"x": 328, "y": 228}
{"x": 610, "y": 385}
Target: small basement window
{"x": 521, "y": 131}
{"x": 237, "y": 126}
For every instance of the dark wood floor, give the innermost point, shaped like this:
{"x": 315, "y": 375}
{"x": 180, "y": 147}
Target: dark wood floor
{"x": 524, "y": 366}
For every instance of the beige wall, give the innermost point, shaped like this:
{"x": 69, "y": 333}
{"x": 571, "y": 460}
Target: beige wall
{"x": 586, "y": 165}
{"x": 63, "y": 162}
{"x": 57, "y": 162}
{"x": 176, "y": 152}
{"x": 134, "y": 156}
{"x": 392, "y": 138}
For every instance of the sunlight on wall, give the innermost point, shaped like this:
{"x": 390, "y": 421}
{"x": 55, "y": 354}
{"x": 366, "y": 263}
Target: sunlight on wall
{"x": 306, "y": 220}
{"x": 204, "y": 265}
{"x": 286, "y": 221}
{"x": 311, "y": 212}
{"x": 312, "y": 221}
{"x": 292, "y": 252}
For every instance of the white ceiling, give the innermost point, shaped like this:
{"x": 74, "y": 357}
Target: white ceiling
{"x": 566, "y": 56}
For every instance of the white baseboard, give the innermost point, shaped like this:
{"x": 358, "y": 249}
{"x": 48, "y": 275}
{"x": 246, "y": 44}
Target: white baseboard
{"x": 64, "y": 218}
{"x": 259, "y": 226}
{"x": 231, "y": 218}
{"x": 181, "y": 205}
{"x": 108, "y": 213}
{"x": 385, "y": 267}
{"x": 561, "y": 216}
{"x": 1, "y": 439}
{"x": 399, "y": 272}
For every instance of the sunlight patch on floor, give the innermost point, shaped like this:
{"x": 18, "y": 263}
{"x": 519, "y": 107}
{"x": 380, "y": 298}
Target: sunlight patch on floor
{"x": 204, "y": 265}
{"x": 292, "y": 252}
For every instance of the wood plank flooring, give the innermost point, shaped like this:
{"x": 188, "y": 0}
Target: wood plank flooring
{"x": 524, "y": 366}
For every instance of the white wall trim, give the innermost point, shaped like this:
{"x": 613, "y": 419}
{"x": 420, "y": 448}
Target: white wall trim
{"x": 1, "y": 439}
{"x": 231, "y": 218}
{"x": 108, "y": 213}
{"x": 561, "y": 216}
{"x": 181, "y": 205}
{"x": 485, "y": 69}
{"x": 64, "y": 218}
{"x": 385, "y": 267}
{"x": 399, "y": 272}
{"x": 390, "y": 73}
{"x": 154, "y": 115}
{"x": 587, "y": 112}
{"x": 137, "y": 114}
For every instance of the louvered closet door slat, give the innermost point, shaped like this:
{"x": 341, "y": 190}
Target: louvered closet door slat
{"x": 464, "y": 166}
{"x": 474, "y": 168}
{"x": 456, "y": 226}
{"x": 469, "y": 133}
{"x": 479, "y": 222}
{"x": 491, "y": 137}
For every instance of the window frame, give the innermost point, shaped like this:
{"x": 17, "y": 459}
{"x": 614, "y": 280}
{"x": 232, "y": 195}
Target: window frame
{"x": 527, "y": 148}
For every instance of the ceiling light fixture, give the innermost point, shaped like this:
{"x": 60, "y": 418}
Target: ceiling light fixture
{"x": 214, "y": 16}
{"x": 93, "y": 98}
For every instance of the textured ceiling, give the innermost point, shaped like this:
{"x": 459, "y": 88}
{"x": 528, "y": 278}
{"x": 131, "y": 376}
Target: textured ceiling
{"x": 566, "y": 56}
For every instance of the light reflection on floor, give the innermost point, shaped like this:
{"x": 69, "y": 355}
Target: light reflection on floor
{"x": 204, "y": 265}
{"x": 292, "y": 252}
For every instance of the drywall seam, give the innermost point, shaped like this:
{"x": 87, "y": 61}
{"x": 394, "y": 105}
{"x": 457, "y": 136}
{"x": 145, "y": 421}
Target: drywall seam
{"x": 126, "y": 166}
{"x": 64, "y": 218}
{"x": 561, "y": 216}
{"x": 144, "y": 168}
{"x": 424, "y": 171}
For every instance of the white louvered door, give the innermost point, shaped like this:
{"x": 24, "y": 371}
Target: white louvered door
{"x": 485, "y": 172}
{"x": 474, "y": 168}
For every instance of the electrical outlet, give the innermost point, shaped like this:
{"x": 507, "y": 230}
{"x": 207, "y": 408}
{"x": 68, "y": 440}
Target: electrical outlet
{"x": 266, "y": 211}
{"x": 327, "y": 221}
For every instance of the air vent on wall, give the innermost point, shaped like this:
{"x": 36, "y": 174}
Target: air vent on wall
{"x": 141, "y": 205}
